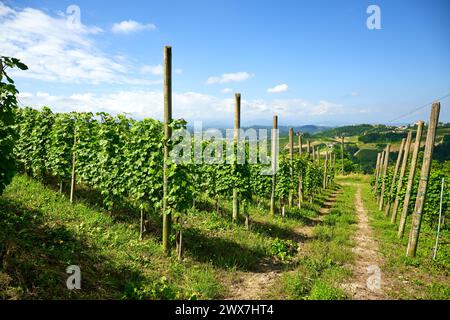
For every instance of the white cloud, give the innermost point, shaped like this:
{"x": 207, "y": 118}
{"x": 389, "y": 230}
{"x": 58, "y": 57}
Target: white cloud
{"x": 56, "y": 50}
{"x": 226, "y": 90}
{"x": 230, "y": 77}
{"x": 187, "y": 105}
{"x": 354, "y": 94}
{"x": 129, "y": 26}
{"x": 155, "y": 70}
{"x": 279, "y": 88}
{"x": 178, "y": 71}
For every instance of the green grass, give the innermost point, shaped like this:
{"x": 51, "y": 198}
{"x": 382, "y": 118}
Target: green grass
{"x": 324, "y": 260}
{"x": 41, "y": 234}
{"x": 414, "y": 278}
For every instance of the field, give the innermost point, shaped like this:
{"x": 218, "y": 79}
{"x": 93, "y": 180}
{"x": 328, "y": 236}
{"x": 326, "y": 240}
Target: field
{"x": 307, "y": 255}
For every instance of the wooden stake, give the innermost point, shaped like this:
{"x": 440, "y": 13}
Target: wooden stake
{"x": 385, "y": 171}
{"x": 308, "y": 148}
{"x": 237, "y": 126}
{"x": 73, "y": 181}
{"x": 167, "y": 215}
{"x": 409, "y": 186}
{"x": 342, "y": 154}
{"x": 400, "y": 177}
{"x": 394, "y": 177}
{"x": 300, "y": 143}
{"x": 274, "y": 176}
{"x": 377, "y": 168}
{"x": 380, "y": 172}
{"x": 300, "y": 176}
{"x": 141, "y": 234}
{"x": 291, "y": 163}
{"x": 423, "y": 181}
{"x": 325, "y": 175}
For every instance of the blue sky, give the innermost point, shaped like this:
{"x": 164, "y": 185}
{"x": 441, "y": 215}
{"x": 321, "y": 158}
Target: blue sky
{"x": 310, "y": 62}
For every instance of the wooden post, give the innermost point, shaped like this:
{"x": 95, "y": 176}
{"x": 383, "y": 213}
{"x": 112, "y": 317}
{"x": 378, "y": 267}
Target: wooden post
{"x": 409, "y": 186}
{"x": 423, "y": 181}
{"x": 318, "y": 155}
{"x": 325, "y": 171}
{"x": 394, "y": 177}
{"x": 300, "y": 143}
{"x": 274, "y": 176}
{"x": 308, "y": 148}
{"x": 314, "y": 153}
{"x": 342, "y": 154}
{"x": 380, "y": 172}
{"x": 400, "y": 177}
{"x": 377, "y": 168}
{"x": 73, "y": 181}
{"x": 237, "y": 126}
{"x": 167, "y": 215}
{"x": 385, "y": 171}
{"x": 291, "y": 163}
{"x": 300, "y": 176}
{"x": 141, "y": 233}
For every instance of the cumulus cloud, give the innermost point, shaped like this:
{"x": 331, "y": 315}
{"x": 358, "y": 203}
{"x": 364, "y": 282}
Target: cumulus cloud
{"x": 56, "y": 49}
{"x": 129, "y": 26}
{"x": 230, "y": 77}
{"x": 155, "y": 70}
{"x": 188, "y": 105}
{"x": 279, "y": 88}
{"x": 226, "y": 90}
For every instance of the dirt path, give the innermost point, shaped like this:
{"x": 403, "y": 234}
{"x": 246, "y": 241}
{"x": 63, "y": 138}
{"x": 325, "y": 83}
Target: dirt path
{"x": 367, "y": 281}
{"x": 255, "y": 285}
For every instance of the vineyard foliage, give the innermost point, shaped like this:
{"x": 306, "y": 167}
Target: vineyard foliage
{"x": 122, "y": 159}
{"x": 8, "y": 134}
{"x": 439, "y": 170}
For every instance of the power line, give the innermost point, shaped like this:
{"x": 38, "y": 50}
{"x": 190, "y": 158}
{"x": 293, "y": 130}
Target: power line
{"x": 419, "y": 108}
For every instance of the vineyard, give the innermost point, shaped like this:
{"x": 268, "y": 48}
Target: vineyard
{"x": 101, "y": 187}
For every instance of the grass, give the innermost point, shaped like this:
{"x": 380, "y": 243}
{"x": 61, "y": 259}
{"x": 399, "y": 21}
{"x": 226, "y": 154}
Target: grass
{"x": 41, "y": 234}
{"x": 414, "y": 278}
{"x": 324, "y": 260}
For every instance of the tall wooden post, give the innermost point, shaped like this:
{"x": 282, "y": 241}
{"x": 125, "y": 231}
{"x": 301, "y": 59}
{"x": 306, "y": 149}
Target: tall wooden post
{"x": 300, "y": 176}
{"x": 377, "y": 168}
{"x": 385, "y": 171}
{"x": 274, "y": 176}
{"x": 318, "y": 155}
{"x": 314, "y": 153}
{"x": 423, "y": 182}
{"x": 167, "y": 215}
{"x": 300, "y": 143}
{"x": 308, "y": 148}
{"x": 73, "y": 181}
{"x": 380, "y": 172}
{"x": 237, "y": 126}
{"x": 342, "y": 154}
{"x": 291, "y": 163}
{"x": 394, "y": 177}
{"x": 400, "y": 177}
{"x": 325, "y": 171}
{"x": 409, "y": 186}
